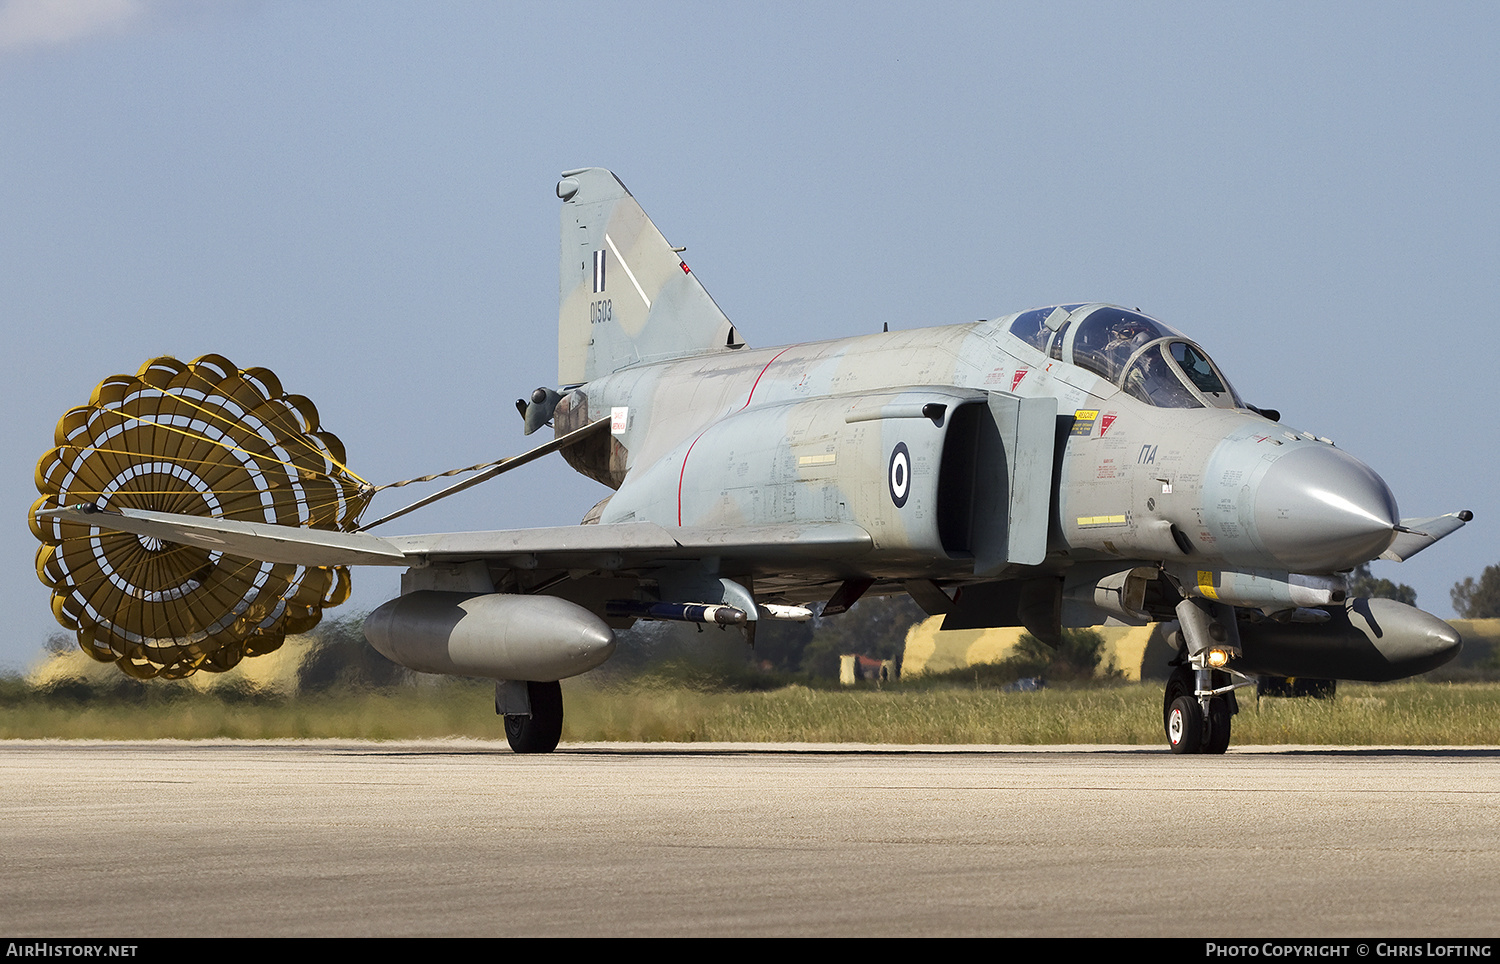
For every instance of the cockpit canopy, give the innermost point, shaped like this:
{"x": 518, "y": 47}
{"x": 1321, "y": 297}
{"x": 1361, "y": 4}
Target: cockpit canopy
{"x": 1151, "y": 361}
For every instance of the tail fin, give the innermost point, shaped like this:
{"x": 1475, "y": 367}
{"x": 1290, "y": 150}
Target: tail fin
{"x": 626, "y": 297}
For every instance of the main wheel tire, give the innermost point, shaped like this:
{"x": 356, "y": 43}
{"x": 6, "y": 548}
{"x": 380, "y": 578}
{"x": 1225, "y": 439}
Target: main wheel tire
{"x": 539, "y": 732}
{"x": 1185, "y": 725}
{"x": 1218, "y": 726}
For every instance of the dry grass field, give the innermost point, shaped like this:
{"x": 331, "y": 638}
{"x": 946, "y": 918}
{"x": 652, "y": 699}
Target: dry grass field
{"x": 1407, "y": 713}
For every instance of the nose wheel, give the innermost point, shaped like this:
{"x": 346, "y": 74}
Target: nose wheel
{"x": 1185, "y": 725}
{"x": 1219, "y": 715}
{"x": 1194, "y": 723}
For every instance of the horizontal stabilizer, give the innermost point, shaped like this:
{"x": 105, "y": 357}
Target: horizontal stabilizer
{"x": 1414, "y": 535}
{"x": 261, "y": 541}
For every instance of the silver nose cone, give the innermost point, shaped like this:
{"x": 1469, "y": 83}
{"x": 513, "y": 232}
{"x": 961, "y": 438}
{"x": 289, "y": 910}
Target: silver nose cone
{"x": 1320, "y": 510}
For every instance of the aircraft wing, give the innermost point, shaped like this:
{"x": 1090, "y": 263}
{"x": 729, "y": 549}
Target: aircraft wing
{"x": 615, "y": 547}
{"x": 625, "y": 545}
{"x": 1414, "y": 535}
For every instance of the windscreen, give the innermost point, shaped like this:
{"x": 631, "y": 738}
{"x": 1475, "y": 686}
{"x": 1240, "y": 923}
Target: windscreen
{"x": 1201, "y": 372}
{"x": 1153, "y": 379}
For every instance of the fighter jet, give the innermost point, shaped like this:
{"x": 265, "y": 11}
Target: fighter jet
{"x": 1069, "y": 465}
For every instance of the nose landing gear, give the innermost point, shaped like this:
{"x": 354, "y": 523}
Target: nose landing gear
{"x": 1199, "y": 701}
{"x": 1198, "y": 723}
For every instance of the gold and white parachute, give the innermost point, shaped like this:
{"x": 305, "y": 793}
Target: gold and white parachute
{"x": 201, "y": 438}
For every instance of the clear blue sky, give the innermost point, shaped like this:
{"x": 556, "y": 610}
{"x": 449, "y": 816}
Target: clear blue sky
{"x": 359, "y": 196}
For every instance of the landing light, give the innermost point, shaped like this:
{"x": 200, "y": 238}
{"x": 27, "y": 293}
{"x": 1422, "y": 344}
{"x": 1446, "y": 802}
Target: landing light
{"x": 1218, "y": 657}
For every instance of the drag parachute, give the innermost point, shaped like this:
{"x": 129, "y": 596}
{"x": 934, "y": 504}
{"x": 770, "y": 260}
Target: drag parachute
{"x": 201, "y": 438}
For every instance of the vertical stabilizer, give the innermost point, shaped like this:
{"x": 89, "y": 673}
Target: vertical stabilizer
{"x": 626, "y": 297}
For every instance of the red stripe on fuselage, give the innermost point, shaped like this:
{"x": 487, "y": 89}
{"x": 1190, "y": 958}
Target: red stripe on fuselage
{"x": 683, "y": 471}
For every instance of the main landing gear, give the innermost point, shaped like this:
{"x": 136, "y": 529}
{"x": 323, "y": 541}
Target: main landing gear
{"x": 533, "y": 714}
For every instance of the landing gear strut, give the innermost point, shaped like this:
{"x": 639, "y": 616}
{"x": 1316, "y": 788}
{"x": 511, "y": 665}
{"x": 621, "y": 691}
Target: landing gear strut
{"x": 539, "y": 731}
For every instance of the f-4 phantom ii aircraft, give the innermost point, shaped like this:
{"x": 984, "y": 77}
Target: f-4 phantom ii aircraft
{"x": 1062, "y": 466}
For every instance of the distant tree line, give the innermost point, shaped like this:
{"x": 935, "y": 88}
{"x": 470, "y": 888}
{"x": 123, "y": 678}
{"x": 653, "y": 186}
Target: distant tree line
{"x": 1472, "y": 598}
{"x": 1478, "y": 600}
{"x": 1363, "y": 584}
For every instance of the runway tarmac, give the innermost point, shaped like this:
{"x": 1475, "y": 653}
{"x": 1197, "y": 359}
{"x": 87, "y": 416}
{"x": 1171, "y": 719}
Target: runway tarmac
{"x": 342, "y": 838}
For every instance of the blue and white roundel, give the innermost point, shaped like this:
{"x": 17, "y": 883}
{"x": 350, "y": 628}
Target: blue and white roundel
{"x": 898, "y": 475}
